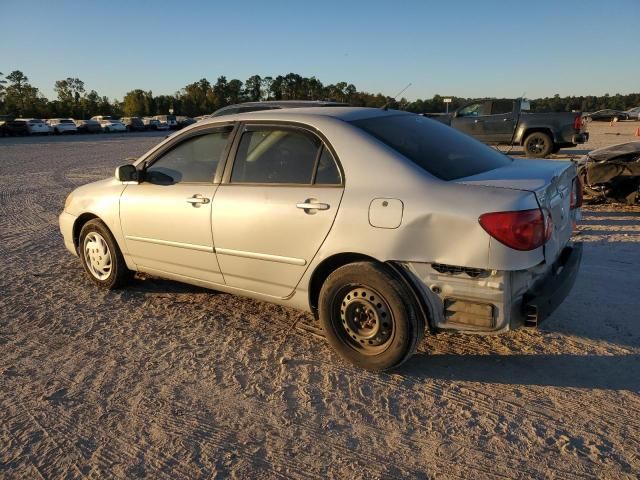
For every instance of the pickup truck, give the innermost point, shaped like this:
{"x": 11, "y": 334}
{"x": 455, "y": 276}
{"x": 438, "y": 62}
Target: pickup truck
{"x": 508, "y": 121}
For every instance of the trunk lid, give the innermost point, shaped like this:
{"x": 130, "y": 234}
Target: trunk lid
{"x": 550, "y": 181}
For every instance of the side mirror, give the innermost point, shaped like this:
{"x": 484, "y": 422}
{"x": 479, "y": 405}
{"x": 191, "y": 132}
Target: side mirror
{"x": 127, "y": 173}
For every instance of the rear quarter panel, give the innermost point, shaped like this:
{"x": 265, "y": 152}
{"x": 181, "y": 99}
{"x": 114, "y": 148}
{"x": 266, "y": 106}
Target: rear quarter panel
{"x": 439, "y": 219}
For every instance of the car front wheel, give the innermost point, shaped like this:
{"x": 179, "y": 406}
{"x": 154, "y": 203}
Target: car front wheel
{"x": 101, "y": 257}
{"x": 368, "y": 316}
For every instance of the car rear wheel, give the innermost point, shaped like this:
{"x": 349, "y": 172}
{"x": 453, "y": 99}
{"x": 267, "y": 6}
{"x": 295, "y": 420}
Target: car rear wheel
{"x": 368, "y": 316}
{"x": 101, "y": 257}
{"x": 538, "y": 145}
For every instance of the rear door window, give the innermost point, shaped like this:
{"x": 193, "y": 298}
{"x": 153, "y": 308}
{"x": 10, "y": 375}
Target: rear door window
{"x": 501, "y": 107}
{"x": 275, "y": 155}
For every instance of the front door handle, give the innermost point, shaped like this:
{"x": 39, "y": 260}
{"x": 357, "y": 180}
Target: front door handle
{"x": 197, "y": 200}
{"x": 310, "y": 205}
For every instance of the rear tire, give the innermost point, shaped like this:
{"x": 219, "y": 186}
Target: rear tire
{"x": 538, "y": 145}
{"x": 101, "y": 257}
{"x": 368, "y": 316}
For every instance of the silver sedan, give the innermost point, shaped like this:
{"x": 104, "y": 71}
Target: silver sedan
{"x": 384, "y": 224}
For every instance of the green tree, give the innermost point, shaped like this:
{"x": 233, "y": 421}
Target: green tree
{"x": 21, "y": 98}
{"x": 134, "y": 103}
{"x": 70, "y": 92}
{"x": 253, "y": 88}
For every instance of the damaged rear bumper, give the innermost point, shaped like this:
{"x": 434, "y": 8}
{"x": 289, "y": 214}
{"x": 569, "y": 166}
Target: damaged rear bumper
{"x": 550, "y": 291}
{"x": 491, "y": 302}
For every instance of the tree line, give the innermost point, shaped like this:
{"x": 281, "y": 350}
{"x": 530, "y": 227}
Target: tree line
{"x": 19, "y": 98}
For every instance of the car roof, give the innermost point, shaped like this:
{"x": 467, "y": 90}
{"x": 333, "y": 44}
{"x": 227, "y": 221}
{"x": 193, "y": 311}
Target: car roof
{"x": 310, "y": 113}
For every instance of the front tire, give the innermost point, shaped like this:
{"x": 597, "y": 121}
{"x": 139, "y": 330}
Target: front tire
{"x": 101, "y": 257}
{"x": 538, "y": 145}
{"x": 368, "y": 316}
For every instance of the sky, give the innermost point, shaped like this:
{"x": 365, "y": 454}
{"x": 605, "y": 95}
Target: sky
{"x": 466, "y": 48}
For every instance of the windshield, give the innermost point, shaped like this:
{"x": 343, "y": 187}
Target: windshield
{"x": 66, "y": 121}
{"x": 433, "y": 146}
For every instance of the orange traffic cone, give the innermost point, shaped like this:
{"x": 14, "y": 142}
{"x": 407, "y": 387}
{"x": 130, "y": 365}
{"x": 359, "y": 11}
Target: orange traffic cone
{"x": 638, "y": 132}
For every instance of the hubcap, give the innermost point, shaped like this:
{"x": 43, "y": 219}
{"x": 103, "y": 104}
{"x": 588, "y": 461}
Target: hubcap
{"x": 366, "y": 320}
{"x": 97, "y": 256}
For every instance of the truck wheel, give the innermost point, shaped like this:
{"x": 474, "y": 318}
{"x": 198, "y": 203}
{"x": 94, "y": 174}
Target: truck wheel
{"x": 101, "y": 257}
{"x": 368, "y": 316}
{"x": 538, "y": 145}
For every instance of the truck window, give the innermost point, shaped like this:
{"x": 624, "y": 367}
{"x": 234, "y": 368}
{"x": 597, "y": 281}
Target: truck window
{"x": 473, "y": 110}
{"x": 500, "y": 107}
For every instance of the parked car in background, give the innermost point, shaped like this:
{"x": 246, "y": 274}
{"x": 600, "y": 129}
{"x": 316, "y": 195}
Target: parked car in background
{"x": 62, "y": 125}
{"x": 275, "y": 205}
{"x": 3, "y": 121}
{"x": 633, "y": 113}
{"x": 606, "y": 115}
{"x": 133, "y": 124}
{"x": 155, "y": 124}
{"x": 170, "y": 120}
{"x": 99, "y": 118}
{"x": 184, "y": 121}
{"x": 37, "y": 127}
{"x": 17, "y": 127}
{"x": 508, "y": 121}
{"x": 273, "y": 105}
{"x": 109, "y": 126}
{"x": 88, "y": 126}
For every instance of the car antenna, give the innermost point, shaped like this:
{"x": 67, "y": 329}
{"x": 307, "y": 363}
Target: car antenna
{"x": 385, "y": 107}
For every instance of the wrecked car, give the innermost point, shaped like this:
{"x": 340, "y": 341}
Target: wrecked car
{"x": 611, "y": 174}
{"x": 382, "y": 224}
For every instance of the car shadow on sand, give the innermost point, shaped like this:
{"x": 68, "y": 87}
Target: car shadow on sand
{"x": 610, "y": 372}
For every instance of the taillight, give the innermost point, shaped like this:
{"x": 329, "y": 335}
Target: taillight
{"x": 520, "y": 230}
{"x": 576, "y": 194}
{"x": 578, "y": 123}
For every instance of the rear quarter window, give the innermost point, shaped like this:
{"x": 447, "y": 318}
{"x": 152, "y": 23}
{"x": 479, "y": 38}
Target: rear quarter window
{"x": 436, "y": 148}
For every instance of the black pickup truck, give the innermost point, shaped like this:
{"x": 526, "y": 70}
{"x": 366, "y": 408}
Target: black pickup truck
{"x": 508, "y": 121}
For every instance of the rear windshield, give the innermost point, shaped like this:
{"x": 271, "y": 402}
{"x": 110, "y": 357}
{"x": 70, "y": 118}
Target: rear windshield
{"x": 433, "y": 146}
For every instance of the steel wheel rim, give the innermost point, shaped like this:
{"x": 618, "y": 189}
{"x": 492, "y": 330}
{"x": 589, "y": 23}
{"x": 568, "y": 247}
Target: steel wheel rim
{"x": 363, "y": 320}
{"x": 97, "y": 256}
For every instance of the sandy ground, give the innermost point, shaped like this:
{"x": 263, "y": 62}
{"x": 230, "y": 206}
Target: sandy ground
{"x": 163, "y": 380}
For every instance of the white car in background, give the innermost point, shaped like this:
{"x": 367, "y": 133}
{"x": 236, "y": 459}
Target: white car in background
{"x": 153, "y": 123}
{"x": 62, "y": 125}
{"x": 37, "y": 126}
{"x": 633, "y": 113}
{"x": 112, "y": 126}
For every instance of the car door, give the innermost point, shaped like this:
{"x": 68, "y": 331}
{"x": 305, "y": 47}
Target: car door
{"x": 469, "y": 119}
{"x": 499, "y": 125}
{"x": 274, "y": 208}
{"x": 166, "y": 219}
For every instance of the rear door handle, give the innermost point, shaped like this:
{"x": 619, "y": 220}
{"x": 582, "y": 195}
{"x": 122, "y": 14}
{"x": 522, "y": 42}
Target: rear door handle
{"x": 312, "y": 204}
{"x": 197, "y": 200}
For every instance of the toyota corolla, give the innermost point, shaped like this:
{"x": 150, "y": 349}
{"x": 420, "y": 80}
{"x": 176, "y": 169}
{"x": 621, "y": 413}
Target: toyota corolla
{"x": 382, "y": 224}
